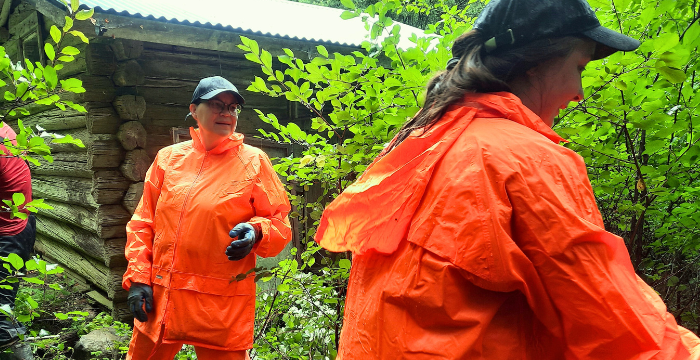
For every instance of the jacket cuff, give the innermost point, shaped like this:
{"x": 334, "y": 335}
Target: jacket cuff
{"x": 136, "y": 277}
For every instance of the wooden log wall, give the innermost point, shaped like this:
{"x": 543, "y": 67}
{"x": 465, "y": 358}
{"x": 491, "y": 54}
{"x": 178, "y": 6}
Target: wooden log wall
{"x": 85, "y": 232}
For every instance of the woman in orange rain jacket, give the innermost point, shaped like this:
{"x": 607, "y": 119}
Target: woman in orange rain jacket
{"x": 475, "y": 235}
{"x": 209, "y": 206}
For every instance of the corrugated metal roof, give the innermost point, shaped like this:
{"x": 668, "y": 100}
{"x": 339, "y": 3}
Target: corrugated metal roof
{"x": 279, "y": 18}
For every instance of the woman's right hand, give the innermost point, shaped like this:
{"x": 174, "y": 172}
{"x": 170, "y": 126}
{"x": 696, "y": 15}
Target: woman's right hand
{"x": 140, "y": 295}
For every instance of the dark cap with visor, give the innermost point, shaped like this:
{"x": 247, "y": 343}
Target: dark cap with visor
{"x": 511, "y": 23}
{"x": 211, "y": 86}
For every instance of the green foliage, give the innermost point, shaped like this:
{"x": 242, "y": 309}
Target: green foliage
{"x": 300, "y": 317}
{"x": 636, "y": 130}
{"x": 26, "y": 306}
{"x": 27, "y": 83}
{"x": 418, "y": 13}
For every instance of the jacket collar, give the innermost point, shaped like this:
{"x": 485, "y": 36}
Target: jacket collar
{"x": 233, "y": 141}
{"x": 507, "y": 105}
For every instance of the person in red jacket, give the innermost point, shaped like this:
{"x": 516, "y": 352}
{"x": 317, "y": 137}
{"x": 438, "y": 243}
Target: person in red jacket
{"x": 17, "y": 235}
{"x": 475, "y": 235}
{"x": 209, "y": 206}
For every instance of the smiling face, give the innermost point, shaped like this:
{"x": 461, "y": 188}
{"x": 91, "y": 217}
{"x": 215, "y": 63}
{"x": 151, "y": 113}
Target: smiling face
{"x": 215, "y": 126}
{"x": 552, "y": 85}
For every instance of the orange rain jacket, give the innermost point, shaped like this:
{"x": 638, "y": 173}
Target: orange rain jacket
{"x": 481, "y": 239}
{"x": 178, "y": 234}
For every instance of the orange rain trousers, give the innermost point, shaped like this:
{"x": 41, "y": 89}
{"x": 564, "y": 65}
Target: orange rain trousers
{"x": 142, "y": 348}
{"x": 481, "y": 239}
{"x": 178, "y": 234}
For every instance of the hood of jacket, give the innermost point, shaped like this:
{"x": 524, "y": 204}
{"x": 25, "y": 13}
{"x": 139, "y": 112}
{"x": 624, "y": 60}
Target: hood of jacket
{"x": 375, "y": 212}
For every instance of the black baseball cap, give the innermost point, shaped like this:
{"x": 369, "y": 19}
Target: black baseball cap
{"x": 212, "y": 86}
{"x": 510, "y": 23}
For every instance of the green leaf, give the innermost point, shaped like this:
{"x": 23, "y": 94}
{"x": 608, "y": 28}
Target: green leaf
{"x": 693, "y": 34}
{"x": 74, "y": 5}
{"x": 665, "y": 42}
{"x": 283, "y": 288}
{"x": 65, "y": 58}
{"x": 15, "y": 260}
{"x": 39, "y": 203}
{"x": 344, "y": 264}
{"x": 55, "y": 34}
{"x": 71, "y": 83}
{"x": 80, "y": 35}
{"x": 34, "y": 280}
{"x": 348, "y": 4}
{"x": 266, "y": 59}
{"x": 50, "y": 76}
{"x": 9, "y": 96}
{"x": 322, "y": 50}
{"x": 61, "y": 316}
{"x": 84, "y": 14}
{"x": 70, "y": 50}
{"x": 346, "y": 15}
{"x": 621, "y": 5}
{"x": 31, "y": 265}
{"x": 68, "y": 25}
{"x": 672, "y": 74}
{"x": 18, "y": 199}
{"x": 50, "y": 52}
{"x": 676, "y": 58}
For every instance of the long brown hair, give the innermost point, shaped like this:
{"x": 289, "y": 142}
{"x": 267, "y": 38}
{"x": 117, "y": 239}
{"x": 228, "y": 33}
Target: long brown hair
{"x": 480, "y": 72}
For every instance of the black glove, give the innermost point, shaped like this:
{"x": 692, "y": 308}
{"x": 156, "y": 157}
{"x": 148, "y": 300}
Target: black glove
{"x": 246, "y": 239}
{"x": 138, "y": 295}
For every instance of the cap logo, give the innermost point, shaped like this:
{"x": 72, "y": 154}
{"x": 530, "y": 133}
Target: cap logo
{"x": 506, "y": 38}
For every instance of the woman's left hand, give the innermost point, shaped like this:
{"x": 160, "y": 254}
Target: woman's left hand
{"x": 246, "y": 239}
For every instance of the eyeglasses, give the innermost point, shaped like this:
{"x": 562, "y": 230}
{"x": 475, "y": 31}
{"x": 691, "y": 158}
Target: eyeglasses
{"x": 218, "y": 107}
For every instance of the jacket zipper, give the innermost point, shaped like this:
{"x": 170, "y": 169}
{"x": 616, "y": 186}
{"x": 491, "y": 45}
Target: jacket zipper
{"x": 177, "y": 235}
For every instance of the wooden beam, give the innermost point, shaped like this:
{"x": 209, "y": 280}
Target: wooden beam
{"x": 135, "y": 165}
{"x": 107, "y": 279}
{"x": 127, "y": 49}
{"x": 107, "y": 221}
{"x": 95, "y": 58}
{"x": 98, "y": 89}
{"x": 103, "y": 120}
{"x": 133, "y": 196}
{"x": 88, "y": 139}
{"x": 128, "y": 73}
{"x": 82, "y": 164}
{"x": 132, "y": 135}
{"x": 109, "y": 252}
{"x": 56, "y": 119}
{"x": 193, "y": 67}
{"x": 64, "y": 189}
{"x": 99, "y": 119}
{"x": 105, "y": 188}
{"x": 130, "y": 107}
